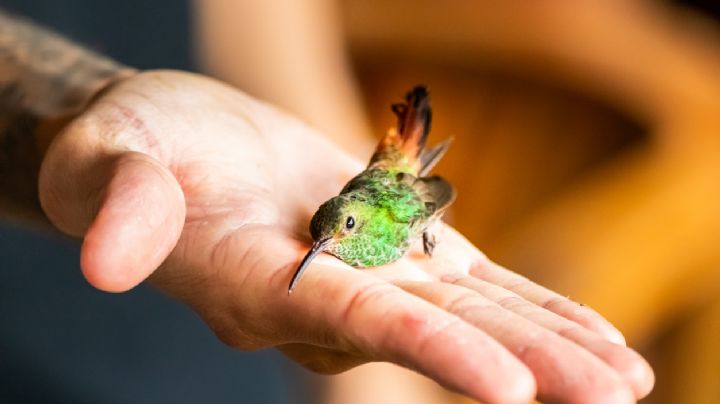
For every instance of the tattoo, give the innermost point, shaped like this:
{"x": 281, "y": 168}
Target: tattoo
{"x": 45, "y": 81}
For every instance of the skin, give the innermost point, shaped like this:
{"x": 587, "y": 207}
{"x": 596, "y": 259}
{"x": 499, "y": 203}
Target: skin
{"x": 44, "y": 81}
{"x": 183, "y": 180}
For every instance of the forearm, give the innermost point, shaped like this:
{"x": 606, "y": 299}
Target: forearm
{"x": 299, "y": 62}
{"x": 45, "y": 80}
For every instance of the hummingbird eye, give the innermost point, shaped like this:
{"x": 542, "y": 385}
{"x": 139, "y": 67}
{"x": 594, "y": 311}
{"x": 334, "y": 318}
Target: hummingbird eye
{"x": 350, "y": 223}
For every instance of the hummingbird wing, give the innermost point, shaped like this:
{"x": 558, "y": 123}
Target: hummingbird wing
{"x": 436, "y": 192}
{"x": 430, "y": 157}
{"x": 406, "y": 198}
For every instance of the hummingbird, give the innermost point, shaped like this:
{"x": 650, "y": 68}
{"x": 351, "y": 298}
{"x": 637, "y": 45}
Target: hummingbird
{"x": 383, "y": 210}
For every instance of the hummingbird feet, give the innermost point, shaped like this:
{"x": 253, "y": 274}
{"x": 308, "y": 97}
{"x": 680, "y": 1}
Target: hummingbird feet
{"x": 428, "y": 243}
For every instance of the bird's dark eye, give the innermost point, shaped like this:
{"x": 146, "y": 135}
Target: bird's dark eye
{"x": 350, "y": 223}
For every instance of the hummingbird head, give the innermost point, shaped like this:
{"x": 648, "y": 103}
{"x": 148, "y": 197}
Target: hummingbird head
{"x": 336, "y": 220}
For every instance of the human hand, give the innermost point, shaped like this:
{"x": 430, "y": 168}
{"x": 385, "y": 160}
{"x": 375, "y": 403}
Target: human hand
{"x": 209, "y": 192}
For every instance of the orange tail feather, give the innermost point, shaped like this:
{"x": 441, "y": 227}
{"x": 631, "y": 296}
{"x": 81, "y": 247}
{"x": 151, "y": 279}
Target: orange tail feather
{"x": 404, "y": 145}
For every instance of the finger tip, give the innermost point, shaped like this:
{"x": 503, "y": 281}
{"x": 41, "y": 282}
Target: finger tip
{"x": 639, "y": 375}
{"x": 631, "y": 366}
{"x": 101, "y": 272}
{"x": 620, "y": 394}
{"x": 603, "y": 328}
{"x": 522, "y": 390}
{"x": 596, "y": 322}
{"x": 614, "y": 335}
{"x": 137, "y": 226}
{"x": 613, "y": 388}
{"x": 590, "y": 319}
{"x": 117, "y": 256}
{"x": 609, "y": 391}
{"x": 515, "y": 384}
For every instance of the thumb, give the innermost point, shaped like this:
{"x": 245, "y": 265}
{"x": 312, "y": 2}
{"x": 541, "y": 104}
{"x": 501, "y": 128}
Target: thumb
{"x": 128, "y": 206}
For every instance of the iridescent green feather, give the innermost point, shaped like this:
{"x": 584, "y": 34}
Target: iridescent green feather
{"x": 391, "y": 209}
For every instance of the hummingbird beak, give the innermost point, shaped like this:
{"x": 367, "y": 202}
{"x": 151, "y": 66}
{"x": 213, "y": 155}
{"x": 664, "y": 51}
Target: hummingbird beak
{"x": 317, "y": 247}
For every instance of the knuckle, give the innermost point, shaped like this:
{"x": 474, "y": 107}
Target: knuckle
{"x": 553, "y": 301}
{"x": 364, "y": 296}
{"x": 431, "y": 335}
{"x": 512, "y": 302}
{"x": 464, "y": 302}
{"x": 517, "y": 284}
{"x": 572, "y": 331}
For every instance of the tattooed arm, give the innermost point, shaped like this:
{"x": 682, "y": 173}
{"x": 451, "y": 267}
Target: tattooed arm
{"x": 44, "y": 82}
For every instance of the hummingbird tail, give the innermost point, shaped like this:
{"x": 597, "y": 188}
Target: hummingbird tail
{"x": 414, "y": 117}
{"x": 403, "y": 146}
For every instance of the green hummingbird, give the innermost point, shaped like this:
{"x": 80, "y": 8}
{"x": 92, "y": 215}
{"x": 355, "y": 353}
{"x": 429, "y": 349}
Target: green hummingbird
{"x": 380, "y": 213}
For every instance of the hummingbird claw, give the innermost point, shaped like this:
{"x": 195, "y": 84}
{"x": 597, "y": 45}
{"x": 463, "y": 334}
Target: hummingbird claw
{"x": 428, "y": 243}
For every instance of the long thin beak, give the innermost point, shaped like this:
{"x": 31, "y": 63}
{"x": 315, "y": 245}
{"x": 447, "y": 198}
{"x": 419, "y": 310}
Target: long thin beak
{"x": 317, "y": 247}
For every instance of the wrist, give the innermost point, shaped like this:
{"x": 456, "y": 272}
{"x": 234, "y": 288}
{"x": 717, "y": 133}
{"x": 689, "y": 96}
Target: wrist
{"x": 45, "y": 82}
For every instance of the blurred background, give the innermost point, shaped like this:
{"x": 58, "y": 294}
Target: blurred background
{"x": 586, "y": 154}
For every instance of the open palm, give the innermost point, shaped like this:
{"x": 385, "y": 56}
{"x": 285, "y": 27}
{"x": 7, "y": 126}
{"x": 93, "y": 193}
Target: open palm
{"x": 209, "y": 192}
